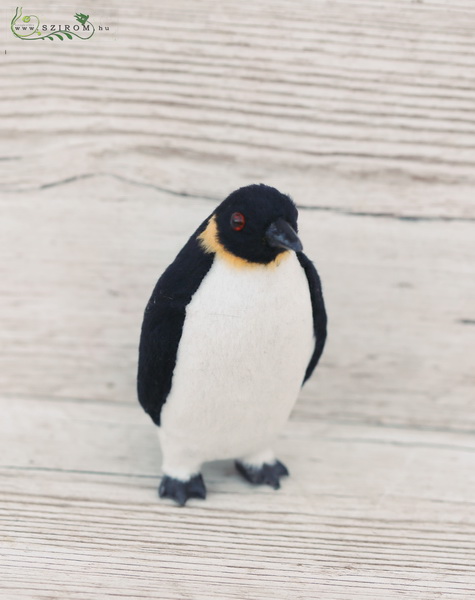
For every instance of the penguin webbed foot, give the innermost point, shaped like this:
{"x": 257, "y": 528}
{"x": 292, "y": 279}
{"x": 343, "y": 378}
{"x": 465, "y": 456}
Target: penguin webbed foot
{"x": 181, "y": 491}
{"x": 268, "y": 474}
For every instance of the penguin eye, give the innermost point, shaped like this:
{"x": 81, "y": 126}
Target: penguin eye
{"x": 238, "y": 221}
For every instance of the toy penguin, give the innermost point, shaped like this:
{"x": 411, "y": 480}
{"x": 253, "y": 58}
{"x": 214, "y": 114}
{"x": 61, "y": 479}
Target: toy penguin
{"x": 235, "y": 326}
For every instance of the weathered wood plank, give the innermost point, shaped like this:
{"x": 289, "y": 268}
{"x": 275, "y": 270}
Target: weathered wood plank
{"x": 337, "y": 95}
{"x": 401, "y": 299}
{"x": 336, "y": 528}
{"x": 369, "y": 510}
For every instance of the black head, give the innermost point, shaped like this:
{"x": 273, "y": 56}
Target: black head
{"x": 257, "y": 223}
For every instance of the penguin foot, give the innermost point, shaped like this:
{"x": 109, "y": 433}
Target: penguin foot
{"x": 269, "y": 474}
{"x": 181, "y": 491}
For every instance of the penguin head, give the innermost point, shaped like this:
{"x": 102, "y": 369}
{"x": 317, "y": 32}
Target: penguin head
{"x": 255, "y": 223}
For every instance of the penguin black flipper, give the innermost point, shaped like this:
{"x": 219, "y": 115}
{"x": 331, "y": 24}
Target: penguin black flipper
{"x": 163, "y": 323}
{"x": 318, "y": 310}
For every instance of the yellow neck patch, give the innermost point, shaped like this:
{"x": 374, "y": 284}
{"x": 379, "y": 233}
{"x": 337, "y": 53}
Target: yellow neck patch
{"x": 210, "y": 243}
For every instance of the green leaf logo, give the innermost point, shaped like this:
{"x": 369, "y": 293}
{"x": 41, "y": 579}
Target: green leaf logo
{"x": 28, "y": 32}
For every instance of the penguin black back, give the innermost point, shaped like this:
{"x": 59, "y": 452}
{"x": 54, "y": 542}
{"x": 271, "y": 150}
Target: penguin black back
{"x": 163, "y": 323}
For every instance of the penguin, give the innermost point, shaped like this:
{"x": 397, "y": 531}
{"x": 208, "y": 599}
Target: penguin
{"x": 233, "y": 329}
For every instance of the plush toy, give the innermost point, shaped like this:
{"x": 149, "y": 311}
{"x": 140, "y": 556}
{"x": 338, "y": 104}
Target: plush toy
{"x": 235, "y": 325}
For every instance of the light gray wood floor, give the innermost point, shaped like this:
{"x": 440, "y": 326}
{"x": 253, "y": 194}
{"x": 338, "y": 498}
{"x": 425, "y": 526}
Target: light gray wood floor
{"x": 111, "y": 153}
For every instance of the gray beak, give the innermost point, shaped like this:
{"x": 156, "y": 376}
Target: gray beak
{"x": 281, "y": 235}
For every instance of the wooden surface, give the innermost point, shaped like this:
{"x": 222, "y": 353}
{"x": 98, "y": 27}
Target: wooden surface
{"x": 111, "y": 153}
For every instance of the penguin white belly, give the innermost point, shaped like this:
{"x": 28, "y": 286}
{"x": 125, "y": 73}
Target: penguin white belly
{"x": 245, "y": 346}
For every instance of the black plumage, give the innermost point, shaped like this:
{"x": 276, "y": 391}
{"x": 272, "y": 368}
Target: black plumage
{"x": 318, "y": 311}
{"x": 163, "y": 324}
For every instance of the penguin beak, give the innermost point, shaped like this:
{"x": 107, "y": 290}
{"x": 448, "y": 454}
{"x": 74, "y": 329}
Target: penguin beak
{"x": 281, "y": 235}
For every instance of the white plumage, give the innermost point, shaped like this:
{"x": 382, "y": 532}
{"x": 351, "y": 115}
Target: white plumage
{"x": 247, "y": 340}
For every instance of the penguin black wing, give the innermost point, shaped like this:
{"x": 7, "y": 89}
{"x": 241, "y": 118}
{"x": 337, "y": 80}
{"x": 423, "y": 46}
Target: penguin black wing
{"x": 318, "y": 310}
{"x": 163, "y": 324}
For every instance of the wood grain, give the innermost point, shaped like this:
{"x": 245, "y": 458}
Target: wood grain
{"x": 337, "y": 529}
{"x": 310, "y": 95}
{"x": 111, "y": 153}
